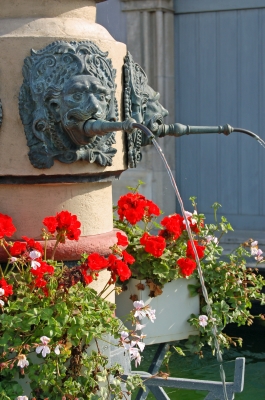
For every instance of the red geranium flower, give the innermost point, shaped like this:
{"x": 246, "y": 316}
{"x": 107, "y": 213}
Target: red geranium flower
{"x": 87, "y": 278}
{"x": 197, "y": 228}
{"x": 128, "y": 258}
{"x": 6, "y": 226}
{"x": 112, "y": 261}
{"x": 190, "y": 252}
{"x": 7, "y": 288}
{"x": 119, "y": 268}
{"x": 123, "y": 271}
{"x": 194, "y": 226}
{"x": 151, "y": 209}
{"x": 96, "y": 262}
{"x": 40, "y": 282}
{"x": 173, "y": 225}
{"x": 44, "y": 268}
{"x": 69, "y": 223}
{"x": 132, "y": 207}
{"x": 65, "y": 223}
{"x": 51, "y": 223}
{"x": 32, "y": 244}
{"x": 187, "y": 266}
{"x": 17, "y": 249}
{"x": 122, "y": 239}
{"x": 154, "y": 245}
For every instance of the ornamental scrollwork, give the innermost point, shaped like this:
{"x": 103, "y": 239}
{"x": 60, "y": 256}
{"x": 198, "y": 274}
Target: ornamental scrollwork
{"x": 66, "y": 84}
{"x": 141, "y": 103}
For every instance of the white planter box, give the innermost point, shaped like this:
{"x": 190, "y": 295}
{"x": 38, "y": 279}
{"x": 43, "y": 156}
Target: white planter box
{"x": 173, "y": 308}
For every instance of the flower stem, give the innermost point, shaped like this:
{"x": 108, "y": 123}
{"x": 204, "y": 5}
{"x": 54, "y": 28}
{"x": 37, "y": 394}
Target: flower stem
{"x": 55, "y": 246}
{"x": 108, "y": 294}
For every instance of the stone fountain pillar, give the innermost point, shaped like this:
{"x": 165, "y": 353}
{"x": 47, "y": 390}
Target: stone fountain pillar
{"x": 42, "y": 170}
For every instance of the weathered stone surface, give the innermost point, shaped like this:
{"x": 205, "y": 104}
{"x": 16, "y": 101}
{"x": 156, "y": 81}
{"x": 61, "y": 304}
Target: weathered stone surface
{"x": 24, "y": 27}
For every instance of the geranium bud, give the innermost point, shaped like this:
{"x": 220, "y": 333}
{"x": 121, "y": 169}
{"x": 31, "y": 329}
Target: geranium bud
{"x": 118, "y": 290}
{"x": 2, "y": 366}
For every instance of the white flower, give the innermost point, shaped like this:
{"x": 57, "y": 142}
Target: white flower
{"x": 22, "y": 361}
{"x": 254, "y": 248}
{"x": 2, "y": 303}
{"x": 57, "y": 350}
{"x": 135, "y": 355}
{"x": 2, "y": 292}
{"x": 124, "y": 335}
{"x": 211, "y": 238}
{"x": 139, "y": 312}
{"x": 151, "y": 315}
{"x": 139, "y": 327}
{"x": 22, "y": 398}
{"x": 141, "y": 345}
{"x": 138, "y": 304}
{"x": 34, "y": 254}
{"x": 126, "y": 343}
{"x": 189, "y": 215}
{"x": 239, "y": 281}
{"x": 13, "y": 259}
{"x": 258, "y": 255}
{"x": 142, "y": 311}
{"x": 139, "y": 337}
{"x": 44, "y": 350}
{"x": 203, "y": 320}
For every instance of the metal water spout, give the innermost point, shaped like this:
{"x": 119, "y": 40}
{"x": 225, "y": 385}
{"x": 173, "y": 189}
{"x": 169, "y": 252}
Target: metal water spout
{"x": 181, "y": 130}
{"x": 100, "y": 127}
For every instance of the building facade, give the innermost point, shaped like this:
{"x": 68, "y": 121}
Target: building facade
{"x": 207, "y": 59}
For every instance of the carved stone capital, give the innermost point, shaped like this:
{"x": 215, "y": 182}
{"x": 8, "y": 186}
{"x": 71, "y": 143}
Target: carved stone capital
{"x": 147, "y": 5}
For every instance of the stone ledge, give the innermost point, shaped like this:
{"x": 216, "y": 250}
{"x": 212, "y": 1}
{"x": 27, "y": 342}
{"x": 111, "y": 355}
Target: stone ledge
{"x": 72, "y": 250}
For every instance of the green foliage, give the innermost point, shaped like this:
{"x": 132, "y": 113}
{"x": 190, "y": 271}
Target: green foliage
{"x": 146, "y": 266}
{"x": 231, "y": 286}
{"x": 72, "y": 318}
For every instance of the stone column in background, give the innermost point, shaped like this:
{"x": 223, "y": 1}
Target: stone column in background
{"x": 150, "y": 40}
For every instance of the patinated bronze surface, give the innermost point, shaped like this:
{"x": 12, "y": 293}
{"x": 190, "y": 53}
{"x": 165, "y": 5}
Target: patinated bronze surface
{"x": 65, "y": 85}
{"x": 141, "y": 103}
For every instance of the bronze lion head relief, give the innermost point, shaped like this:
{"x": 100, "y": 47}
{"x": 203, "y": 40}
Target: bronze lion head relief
{"x": 66, "y": 84}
